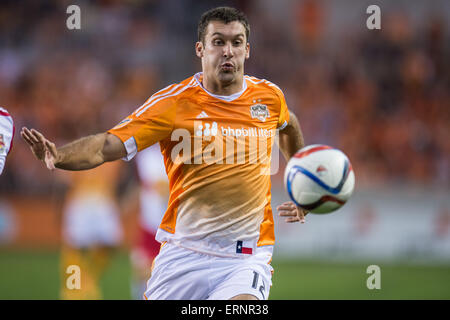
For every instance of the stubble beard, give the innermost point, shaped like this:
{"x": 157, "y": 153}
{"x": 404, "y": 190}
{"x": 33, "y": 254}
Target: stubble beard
{"x": 226, "y": 78}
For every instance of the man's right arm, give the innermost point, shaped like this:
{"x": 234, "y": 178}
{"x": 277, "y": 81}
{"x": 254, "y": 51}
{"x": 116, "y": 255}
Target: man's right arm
{"x": 90, "y": 152}
{"x": 82, "y": 154}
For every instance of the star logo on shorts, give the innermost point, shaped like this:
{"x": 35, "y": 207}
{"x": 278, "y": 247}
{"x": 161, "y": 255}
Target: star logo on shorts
{"x": 241, "y": 249}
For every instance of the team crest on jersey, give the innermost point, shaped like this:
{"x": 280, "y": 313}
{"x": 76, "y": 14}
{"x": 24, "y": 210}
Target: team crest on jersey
{"x": 259, "y": 111}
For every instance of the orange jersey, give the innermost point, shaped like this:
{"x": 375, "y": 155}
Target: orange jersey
{"x": 217, "y": 153}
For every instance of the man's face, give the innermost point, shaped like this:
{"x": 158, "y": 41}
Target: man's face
{"x": 224, "y": 51}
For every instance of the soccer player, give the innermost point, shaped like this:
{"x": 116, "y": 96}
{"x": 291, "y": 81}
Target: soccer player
{"x": 6, "y": 136}
{"x": 91, "y": 229}
{"x": 153, "y": 197}
{"x": 216, "y": 130}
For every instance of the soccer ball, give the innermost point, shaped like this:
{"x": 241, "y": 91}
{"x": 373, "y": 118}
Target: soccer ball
{"x": 319, "y": 178}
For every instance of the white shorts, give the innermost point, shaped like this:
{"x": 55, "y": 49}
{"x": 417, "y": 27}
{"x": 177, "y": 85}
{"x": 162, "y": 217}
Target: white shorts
{"x": 183, "y": 274}
{"x": 91, "y": 221}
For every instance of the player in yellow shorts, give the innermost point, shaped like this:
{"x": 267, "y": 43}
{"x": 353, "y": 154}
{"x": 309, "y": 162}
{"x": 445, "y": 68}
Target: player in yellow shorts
{"x": 216, "y": 130}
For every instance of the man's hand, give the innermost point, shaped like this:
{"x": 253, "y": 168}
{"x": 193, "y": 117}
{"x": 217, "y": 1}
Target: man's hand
{"x": 42, "y": 148}
{"x": 291, "y": 140}
{"x": 82, "y": 154}
{"x": 294, "y": 213}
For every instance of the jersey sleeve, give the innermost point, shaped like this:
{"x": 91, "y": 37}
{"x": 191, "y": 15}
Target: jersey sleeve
{"x": 6, "y": 136}
{"x": 150, "y": 123}
{"x": 284, "y": 111}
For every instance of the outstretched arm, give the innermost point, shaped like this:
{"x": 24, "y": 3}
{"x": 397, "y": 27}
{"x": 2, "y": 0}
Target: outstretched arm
{"x": 290, "y": 141}
{"x": 82, "y": 154}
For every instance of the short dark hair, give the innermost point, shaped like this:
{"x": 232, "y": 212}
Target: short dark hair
{"x": 225, "y": 15}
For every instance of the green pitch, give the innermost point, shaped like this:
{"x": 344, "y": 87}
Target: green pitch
{"x": 35, "y": 275}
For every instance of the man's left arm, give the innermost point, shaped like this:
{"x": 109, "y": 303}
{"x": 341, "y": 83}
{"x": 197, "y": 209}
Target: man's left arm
{"x": 291, "y": 137}
{"x": 290, "y": 141}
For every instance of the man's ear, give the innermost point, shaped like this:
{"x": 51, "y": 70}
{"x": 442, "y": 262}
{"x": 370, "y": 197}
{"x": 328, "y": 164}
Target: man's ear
{"x": 199, "y": 49}
{"x": 247, "y": 51}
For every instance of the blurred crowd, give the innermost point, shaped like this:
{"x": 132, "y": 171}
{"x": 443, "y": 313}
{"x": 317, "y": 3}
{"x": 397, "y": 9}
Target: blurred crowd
{"x": 381, "y": 96}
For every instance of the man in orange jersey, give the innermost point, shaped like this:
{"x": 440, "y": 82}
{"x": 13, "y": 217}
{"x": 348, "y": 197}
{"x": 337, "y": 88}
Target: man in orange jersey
{"x": 216, "y": 130}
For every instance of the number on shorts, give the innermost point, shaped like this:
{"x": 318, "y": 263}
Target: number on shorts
{"x": 255, "y": 279}
{"x": 255, "y": 283}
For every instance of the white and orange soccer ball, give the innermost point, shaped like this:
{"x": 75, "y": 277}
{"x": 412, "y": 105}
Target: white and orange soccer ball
{"x": 319, "y": 178}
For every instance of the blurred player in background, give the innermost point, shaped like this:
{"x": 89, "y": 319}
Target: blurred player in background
{"x": 217, "y": 234}
{"x": 6, "y": 136}
{"x": 91, "y": 228}
{"x": 153, "y": 197}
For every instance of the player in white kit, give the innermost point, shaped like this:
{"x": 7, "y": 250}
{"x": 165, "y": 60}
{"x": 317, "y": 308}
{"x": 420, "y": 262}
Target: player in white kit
{"x": 91, "y": 229}
{"x": 153, "y": 197}
{"x": 6, "y": 136}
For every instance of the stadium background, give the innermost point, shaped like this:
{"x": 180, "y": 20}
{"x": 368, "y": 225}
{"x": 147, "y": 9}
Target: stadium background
{"x": 382, "y": 96}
